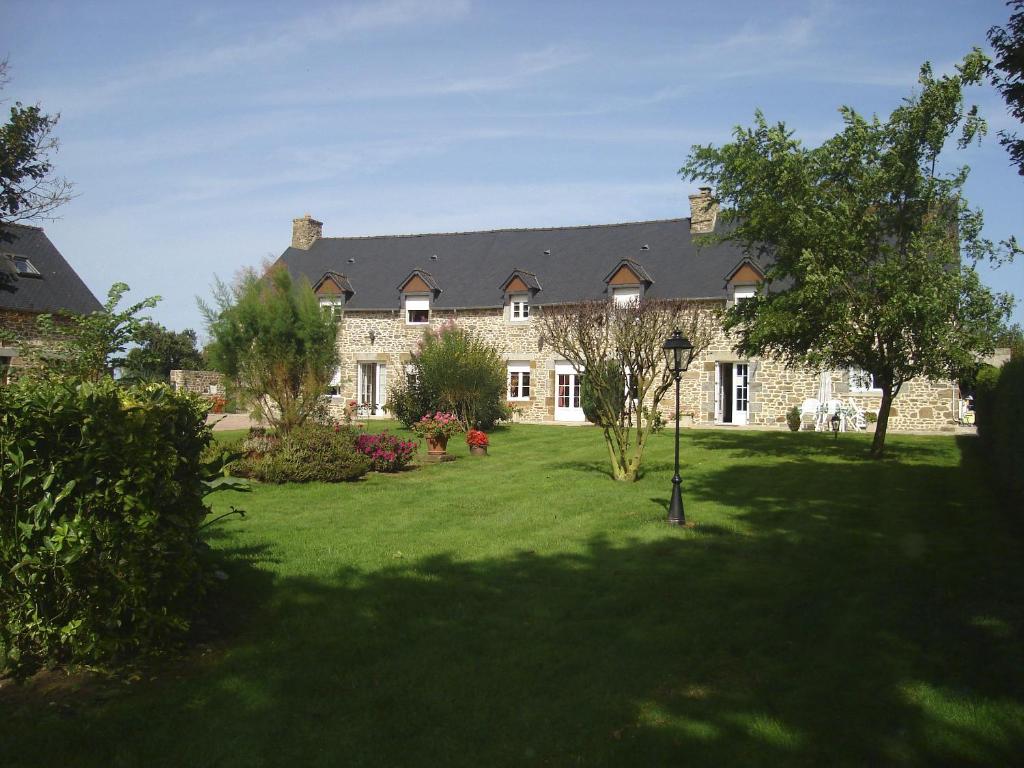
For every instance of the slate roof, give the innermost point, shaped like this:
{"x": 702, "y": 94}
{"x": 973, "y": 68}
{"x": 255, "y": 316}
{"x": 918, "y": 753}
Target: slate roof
{"x": 58, "y": 287}
{"x": 570, "y": 263}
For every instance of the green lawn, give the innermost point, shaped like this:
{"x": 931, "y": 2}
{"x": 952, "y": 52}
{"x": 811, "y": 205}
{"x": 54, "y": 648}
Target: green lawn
{"x": 524, "y": 609}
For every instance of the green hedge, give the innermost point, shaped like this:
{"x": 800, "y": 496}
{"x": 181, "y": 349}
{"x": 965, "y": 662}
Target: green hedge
{"x": 101, "y": 499}
{"x": 999, "y": 410}
{"x": 309, "y": 453}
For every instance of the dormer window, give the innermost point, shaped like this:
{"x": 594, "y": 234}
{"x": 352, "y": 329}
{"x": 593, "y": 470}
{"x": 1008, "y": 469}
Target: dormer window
{"x": 333, "y": 307}
{"x": 417, "y": 309}
{"x": 743, "y": 292}
{"x": 519, "y": 307}
{"x": 627, "y": 282}
{"x": 625, "y": 294}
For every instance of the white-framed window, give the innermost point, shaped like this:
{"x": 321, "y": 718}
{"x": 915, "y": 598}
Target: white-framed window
{"x": 333, "y": 306}
{"x": 334, "y": 386}
{"x": 519, "y": 381}
{"x": 417, "y": 310}
{"x": 411, "y": 375}
{"x": 519, "y": 307}
{"x": 743, "y": 292}
{"x": 24, "y": 266}
{"x": 624, "y": 294}
{"x": 862, "y": 381}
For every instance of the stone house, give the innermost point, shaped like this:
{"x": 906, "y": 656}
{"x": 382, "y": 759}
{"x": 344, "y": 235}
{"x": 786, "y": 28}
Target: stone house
{"x": 384, "y": 291}
{"x": 35, "y": 279}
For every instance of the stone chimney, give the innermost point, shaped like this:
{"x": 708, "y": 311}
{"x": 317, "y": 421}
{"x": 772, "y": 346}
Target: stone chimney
{"x": 306, "y": 231}
{"x": 703, "y": 212}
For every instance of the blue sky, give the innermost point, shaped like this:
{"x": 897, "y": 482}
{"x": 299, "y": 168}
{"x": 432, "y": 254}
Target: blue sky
{"x": 194, "y": 133}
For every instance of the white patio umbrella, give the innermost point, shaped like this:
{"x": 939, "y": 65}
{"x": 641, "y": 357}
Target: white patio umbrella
{"x": 824, "y": 396}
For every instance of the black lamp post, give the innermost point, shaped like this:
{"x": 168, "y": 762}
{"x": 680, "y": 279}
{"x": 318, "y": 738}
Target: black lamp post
{"x": 837, "y": 421}
{"x": 677, "y": 350}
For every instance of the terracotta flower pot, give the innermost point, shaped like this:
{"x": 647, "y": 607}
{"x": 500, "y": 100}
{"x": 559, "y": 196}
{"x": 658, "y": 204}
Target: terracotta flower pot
{"x": 437, "y": 445}
{"x": 478, "y": 450}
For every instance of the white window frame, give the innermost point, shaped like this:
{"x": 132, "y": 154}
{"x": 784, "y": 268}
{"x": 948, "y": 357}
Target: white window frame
{"x": 858, "y": 377}
{"x": 334, "y": 385}
{"x": 416, "y": 301}
{"x": 519, "y": 368}
{"x": 519, "y": 307}
{"x": 335, "y": 305}
{"x": 625, "y": 294}
{"x": 742, "y": 292}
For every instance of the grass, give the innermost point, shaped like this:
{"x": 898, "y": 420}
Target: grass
{"x": 524, "y": 609}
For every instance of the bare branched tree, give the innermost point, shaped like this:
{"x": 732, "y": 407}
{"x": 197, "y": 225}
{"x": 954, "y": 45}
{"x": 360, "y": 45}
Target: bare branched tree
{"x": 618, "y": 350}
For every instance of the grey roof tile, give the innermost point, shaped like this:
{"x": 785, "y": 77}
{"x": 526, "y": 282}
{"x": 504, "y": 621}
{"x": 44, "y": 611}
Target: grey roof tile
{"x": 570, "y": 263}
{"x": 58, "y": 287}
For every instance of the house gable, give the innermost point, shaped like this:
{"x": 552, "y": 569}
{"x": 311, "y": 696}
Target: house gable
{"x": 415, "y": 284}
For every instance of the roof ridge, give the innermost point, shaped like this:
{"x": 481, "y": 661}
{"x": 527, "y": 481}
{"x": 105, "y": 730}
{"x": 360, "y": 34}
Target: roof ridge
{"x": 18, "y": 224}
{"x": 509, "y": 229}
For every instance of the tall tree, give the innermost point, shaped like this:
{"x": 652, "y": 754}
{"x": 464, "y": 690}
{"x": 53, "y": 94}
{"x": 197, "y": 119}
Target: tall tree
{"x": 618, "y": 348}
{"x": 871, "y": 249}
{"x": 161, "y": 351}
{"x": 270, "y": 338}
{"x": 1008, "y": 76}
{"x": 28, "y": 190}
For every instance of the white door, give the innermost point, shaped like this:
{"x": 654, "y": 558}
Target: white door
{"x": 372, "y": 382}
{"x": 732, "y": 393}
{"x": 741, "y": 393}
{"x": 567, "y": 394}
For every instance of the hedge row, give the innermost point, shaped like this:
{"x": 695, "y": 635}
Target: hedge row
{"x": 101, "y": 499}
{"x": 999, "y": 407}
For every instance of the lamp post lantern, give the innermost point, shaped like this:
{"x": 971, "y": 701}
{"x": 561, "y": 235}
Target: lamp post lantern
{"x": 677, "y": 349}
{"x": 837, "y": 422}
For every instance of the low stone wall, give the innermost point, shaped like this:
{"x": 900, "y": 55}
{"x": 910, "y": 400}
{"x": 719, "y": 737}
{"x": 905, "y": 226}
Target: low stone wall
{"x": 198, "y": 382}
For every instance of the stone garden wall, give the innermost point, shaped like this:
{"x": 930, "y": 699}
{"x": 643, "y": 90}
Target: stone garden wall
{"x": 198, "y": 382}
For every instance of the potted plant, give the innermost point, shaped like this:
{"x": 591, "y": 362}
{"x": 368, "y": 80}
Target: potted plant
{"x": 436, "y": 428}
{"x": 794, "y": 419}
{"x": 477, "y": 442}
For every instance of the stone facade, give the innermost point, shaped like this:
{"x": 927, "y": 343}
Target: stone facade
{"x": 384, "y": 338}
{"x": 198, "y": 382}
{"x": 17, "y": 328}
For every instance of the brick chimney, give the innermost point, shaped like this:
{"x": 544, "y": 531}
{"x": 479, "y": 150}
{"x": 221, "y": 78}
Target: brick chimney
{"x": 703, "y": 212}
{"x": 306, "y": 231}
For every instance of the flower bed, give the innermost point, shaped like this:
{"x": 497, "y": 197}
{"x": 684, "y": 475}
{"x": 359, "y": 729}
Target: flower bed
{"x": 387, "y": 453}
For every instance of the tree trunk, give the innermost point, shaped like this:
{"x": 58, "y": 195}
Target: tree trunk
{"x": 878, "y": 443}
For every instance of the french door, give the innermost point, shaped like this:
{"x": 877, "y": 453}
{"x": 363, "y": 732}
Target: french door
{"x": 567, "y": 394}
{"x": 371, "y": 384}
{"x": 732, "y": 393}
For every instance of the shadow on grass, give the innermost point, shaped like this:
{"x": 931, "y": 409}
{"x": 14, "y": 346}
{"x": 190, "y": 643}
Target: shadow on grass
{"x": 836, "y": 630}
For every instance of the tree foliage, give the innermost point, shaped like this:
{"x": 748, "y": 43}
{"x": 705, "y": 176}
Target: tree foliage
{"x": 269, "y": 337}
{"x": 609, "y": 342}
{"x": 161, "y": 351}
{"x": 89, "y": 346}
{"x": 1008, "y": 43}
{"x": 870, "y": 250}
{"x": 28, "y": 190}
{"x": 453, "y": 370}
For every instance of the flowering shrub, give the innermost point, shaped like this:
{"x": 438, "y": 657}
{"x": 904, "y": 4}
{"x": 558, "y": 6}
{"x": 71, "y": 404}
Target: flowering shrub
{"x": 387, "y": 453}
{"x": 477, "y": 439}
{"x": 217, "y": 403}
{"x": 435, "y": 426}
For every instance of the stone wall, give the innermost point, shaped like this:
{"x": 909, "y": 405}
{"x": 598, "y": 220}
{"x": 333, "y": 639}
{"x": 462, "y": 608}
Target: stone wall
{"x": 773, "y": 388}
{"x": 198, "y": 382}
{"x": 17, "y": 328}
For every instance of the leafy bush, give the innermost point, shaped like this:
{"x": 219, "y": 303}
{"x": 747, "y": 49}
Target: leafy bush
{"x": 999, "y": 406}
{"x": 101, "y": 500}
{"x": 871, "y": 417}
{"x": 455, "y": 370}
{"x": 309, "y": 453}
{"x": 387, "y": 453}
{"x": 985, "y": 385}
{"x": 794, "y": 419}
{"x": 406, "y": 400}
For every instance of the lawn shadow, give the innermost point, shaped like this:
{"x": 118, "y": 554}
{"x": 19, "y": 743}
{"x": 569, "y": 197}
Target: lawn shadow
{"x": 830, "y": 630}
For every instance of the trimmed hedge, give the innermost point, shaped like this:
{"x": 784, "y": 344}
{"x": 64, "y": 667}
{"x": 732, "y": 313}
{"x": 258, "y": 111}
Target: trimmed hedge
{"x": 101, "y": 499}
{"x": 999, "y": 410}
